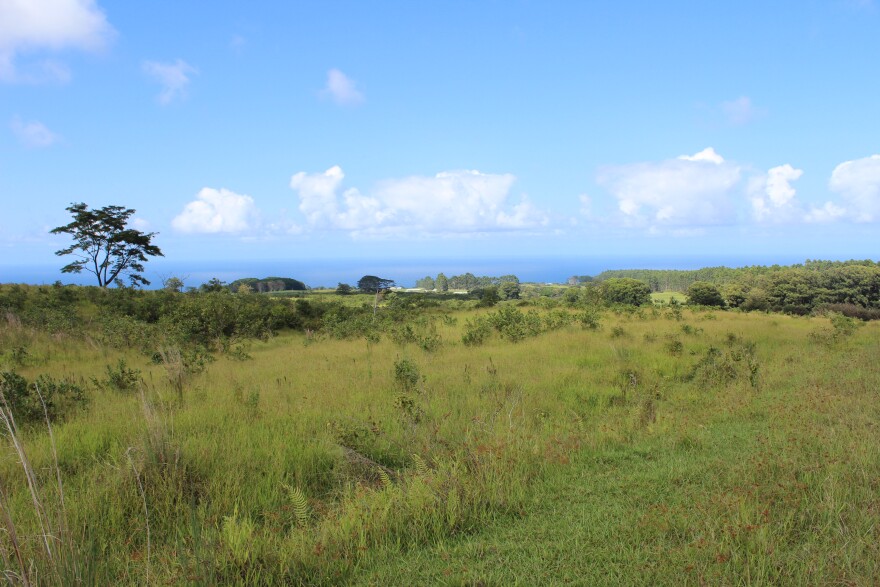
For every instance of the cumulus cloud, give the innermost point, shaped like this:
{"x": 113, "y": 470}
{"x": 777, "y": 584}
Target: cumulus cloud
{"x": 740, "y": 111}
{"x": 772, "y": 195}
{"x": 858, "y": 183}
{"x": 448, "y": 202}
{"x": 218, "y": 211}
{"x": 341, "y": 89}
{"x": 687, "y": 191}
{"x": 33, "y": 134}
{"x": 40, "y": 26}
{"x": 173, "y": 77}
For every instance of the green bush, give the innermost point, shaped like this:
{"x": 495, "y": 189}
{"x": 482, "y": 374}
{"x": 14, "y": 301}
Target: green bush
{"x": 703, "y": 293}
{"x": 33, "y": 402}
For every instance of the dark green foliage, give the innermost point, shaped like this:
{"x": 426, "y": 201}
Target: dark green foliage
{"x": 373, "y": 284}
{"x": 514, "y": 325}
{"x": 268, "y": 284}
{"x": 213, "y": 285}
{"x": 509, "y": 290}
{"x": 703, "y": 293}
{"x": 24, "y": 398}
{"x": 590, "y": 318}
{"x": 488, "y": 297}
{"x": 852, "y": 311}
{"x": 106, "y": 246}
{"x": 344, "y": 289}
{"x": 624, "y": 290}
{"x": 218, "y": 321}
{"x": 406, "y": 375}
{"x": 674, "y": 346}
{"x": 120, "y": 378}
{"x": 476, "y": 332}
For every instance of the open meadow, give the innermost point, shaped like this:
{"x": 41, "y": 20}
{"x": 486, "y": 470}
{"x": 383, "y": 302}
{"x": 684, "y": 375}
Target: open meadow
{"x": 450, "y": 444}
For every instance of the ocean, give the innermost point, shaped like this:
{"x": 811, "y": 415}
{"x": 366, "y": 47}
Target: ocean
{"x": 329, "y": 272}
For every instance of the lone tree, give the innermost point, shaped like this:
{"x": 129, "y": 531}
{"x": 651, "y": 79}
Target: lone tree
{"x": 106, "y": 246}
{"x": 371, "y": 283}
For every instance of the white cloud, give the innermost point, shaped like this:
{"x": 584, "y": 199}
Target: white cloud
{"x": 858, "y": 183}
{"x": 686, "y": 191}
{"x": 341, "y": 89}
{"x": 708, "y": 154}
{"x": 740, "y": 111}
{"x": 827, "y": 213}
{"x": 216, "y": 211}
{"x": 448, "y": 202}
{"x": 773, "y": 197}
{"x": 35, "y": 26}
{"x": 317, "y": 195}
{"x": 33, "y": 134}
{"x": 141, "y": 224}
{"x": 173, "y": 77}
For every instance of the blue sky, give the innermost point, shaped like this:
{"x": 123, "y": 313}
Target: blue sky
{"x": 429, "y": 130}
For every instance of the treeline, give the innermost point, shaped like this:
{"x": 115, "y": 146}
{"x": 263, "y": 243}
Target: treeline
{"x": 661, "y": 280}
{"x": 846, "y": 286}
{"x": 468, "y": 282}
{"x": 802, "y": 289}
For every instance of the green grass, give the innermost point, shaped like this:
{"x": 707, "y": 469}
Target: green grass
{"x": 665, "y": 297}
{"x": 718, "y": 448}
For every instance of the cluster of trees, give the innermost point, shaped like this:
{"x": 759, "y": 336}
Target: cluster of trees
{"x": 468, "y": 282}
{"x": 801, "y": 289}
{"x": 660, "y": 280}
{"x": 796, "y": 289}
{"x": 268, "y": 284}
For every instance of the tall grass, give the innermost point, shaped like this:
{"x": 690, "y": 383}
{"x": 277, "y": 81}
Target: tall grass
{"x": 319, "y": 459}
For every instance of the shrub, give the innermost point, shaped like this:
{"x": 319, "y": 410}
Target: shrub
{"x": 24, "y": 399}
{"x": 476, "y": 332}
{"x": 852, "y": 311}
{"x": 120, "y": 378}
{"x": 406, "y": 374}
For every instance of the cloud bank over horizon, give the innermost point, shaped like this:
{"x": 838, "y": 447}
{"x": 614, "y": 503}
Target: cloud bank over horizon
{"x": 684, "y": 196}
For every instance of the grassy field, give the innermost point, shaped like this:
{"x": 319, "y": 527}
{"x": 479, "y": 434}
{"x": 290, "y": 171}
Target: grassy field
{"x": 663, "y": 447}
{"x": 666, "y": 297}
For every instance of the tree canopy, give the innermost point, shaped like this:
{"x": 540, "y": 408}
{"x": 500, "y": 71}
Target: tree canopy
{"x": 703, "y": 293}
{"x": 623, "y": 290}
{"x": 371, "y": 283}
{"x": 106, "y": 246}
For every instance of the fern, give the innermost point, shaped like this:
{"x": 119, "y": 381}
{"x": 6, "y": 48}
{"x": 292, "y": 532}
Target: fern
{"x": 386, "y": 478}
{"x": 299, "y": 503}
{"x": 420, "y": 465}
